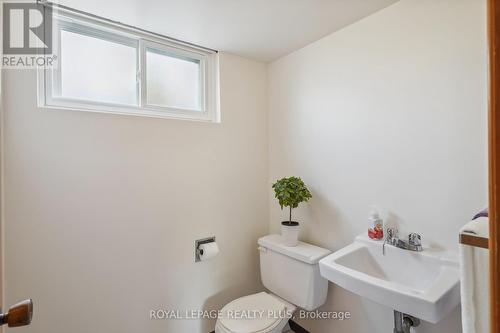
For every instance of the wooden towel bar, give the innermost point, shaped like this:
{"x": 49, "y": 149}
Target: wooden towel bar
{"x": 473, "y": 240}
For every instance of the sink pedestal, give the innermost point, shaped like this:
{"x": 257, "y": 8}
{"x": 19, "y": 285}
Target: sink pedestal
{"x": 403, "y": 322}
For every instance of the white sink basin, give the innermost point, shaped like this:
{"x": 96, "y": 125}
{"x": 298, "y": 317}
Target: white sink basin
{"x": 423, "y": 284}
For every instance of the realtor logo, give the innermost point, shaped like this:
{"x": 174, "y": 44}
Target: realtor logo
{"x": 27, "y": 29}
{"x": 27, "y": 36}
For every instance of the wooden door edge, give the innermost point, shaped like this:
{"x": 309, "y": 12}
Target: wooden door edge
{"x": 494, "y": 162}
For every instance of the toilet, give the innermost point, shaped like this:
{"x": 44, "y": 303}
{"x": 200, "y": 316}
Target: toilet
{"x": 291, "y": 276}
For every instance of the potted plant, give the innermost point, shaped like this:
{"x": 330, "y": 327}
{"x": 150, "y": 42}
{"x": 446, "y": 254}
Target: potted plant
{"x": 290, "y": 192}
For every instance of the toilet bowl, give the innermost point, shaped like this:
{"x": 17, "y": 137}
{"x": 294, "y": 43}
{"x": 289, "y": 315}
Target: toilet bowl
{"x": 291, "y": 274}
{"x": 256, "y": 313}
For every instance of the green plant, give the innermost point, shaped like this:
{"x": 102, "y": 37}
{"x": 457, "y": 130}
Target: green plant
{"x": 290, "y": 192}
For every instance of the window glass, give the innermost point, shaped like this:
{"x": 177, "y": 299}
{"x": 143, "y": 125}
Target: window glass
{"x": 172, "y": 81}
{"x": 96, "y": 69}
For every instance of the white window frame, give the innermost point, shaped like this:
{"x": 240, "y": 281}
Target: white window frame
{"x": 168, "y": 50}
{"x": 49, "y": 79}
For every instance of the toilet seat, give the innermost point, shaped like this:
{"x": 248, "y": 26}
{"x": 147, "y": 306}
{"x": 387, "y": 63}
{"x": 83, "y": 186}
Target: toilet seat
{"x": 257, "y": 313}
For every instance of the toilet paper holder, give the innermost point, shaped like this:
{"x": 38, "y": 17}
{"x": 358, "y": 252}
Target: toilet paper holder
{"x": 197, "y": 250}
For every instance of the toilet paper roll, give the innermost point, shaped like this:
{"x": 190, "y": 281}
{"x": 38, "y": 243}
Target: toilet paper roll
{"x": 208, "y": 250}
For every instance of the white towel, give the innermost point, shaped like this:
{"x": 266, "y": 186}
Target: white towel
{"x": 474, "y": 284}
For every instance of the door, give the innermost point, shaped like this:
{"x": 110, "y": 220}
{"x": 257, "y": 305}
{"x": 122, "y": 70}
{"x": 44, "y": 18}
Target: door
{"x": 494, "y": 162}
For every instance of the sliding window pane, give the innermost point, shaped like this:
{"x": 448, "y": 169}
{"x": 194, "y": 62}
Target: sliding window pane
{"x": 172, "y": 81}
{"x": 98, "y": 70}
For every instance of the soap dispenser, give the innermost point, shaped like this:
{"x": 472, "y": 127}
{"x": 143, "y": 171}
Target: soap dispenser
{"x": 375, "y": 224}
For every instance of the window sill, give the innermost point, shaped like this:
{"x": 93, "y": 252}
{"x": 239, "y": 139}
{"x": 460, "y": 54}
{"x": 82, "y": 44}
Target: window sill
{"x": 165, "y": 113}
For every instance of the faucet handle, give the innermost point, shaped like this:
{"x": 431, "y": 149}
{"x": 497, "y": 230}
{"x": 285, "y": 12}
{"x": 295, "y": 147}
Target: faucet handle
{"x": 392, "y": 232}
{"x": 415, "y": 239}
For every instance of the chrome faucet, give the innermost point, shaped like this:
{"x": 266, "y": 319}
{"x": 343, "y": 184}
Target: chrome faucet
{"x": 414, "y": 242}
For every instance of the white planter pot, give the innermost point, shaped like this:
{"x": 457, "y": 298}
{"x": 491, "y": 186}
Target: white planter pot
{"x": 290, "y": 233}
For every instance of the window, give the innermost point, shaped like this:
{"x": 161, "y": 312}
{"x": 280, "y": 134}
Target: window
{"x": 173, "y": 81}
{"x": 103, "y": 67}
{"x": 96, "y": 69}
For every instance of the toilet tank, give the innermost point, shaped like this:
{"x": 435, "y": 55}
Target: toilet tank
{"x": 292, "y": 272}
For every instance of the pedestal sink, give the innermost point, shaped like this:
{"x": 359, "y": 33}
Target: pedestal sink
{"x": 424, "y": 284}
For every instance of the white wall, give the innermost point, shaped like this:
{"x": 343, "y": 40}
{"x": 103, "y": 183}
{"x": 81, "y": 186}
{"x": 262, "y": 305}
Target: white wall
{"x": 389, "y": 111}
{"x": 102, "y": 210}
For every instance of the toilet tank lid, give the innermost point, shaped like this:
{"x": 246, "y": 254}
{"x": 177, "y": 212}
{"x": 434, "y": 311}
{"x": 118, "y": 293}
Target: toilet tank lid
{"x": 305, "y": 252}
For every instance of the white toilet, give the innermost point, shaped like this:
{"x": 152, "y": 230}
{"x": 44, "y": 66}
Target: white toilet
{"x": 291, "y": 274}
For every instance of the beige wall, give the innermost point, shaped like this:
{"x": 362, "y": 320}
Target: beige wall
{"x": 103, "y": 210}
{"x": 389, "y": 111}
